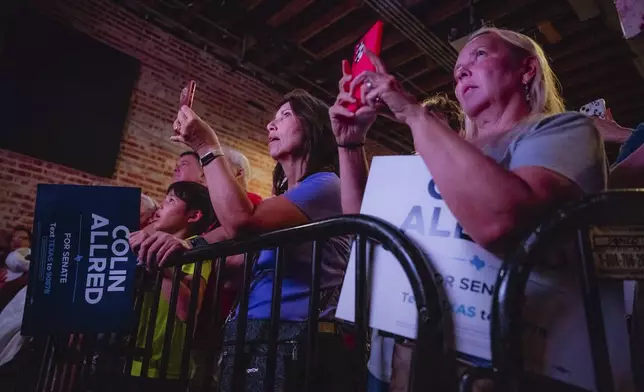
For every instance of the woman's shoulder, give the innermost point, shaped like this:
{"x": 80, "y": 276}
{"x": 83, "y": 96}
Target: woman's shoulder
{"x": 323, "y": 178}
{"x": 562, "y": 121}
{"x": 566, "y": 124}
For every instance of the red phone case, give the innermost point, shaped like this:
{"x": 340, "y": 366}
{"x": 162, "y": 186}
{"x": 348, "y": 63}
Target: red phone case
{"x": 188, "y": 94}
{"x": 361, "y": 62}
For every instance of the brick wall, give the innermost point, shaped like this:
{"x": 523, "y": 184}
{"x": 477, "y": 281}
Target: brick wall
{"x": 146, "y": 157}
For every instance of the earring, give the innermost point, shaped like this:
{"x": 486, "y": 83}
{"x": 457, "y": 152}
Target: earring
{"x": 527, "y": 92}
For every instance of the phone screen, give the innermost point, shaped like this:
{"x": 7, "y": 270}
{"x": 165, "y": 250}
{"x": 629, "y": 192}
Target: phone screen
{"x": 188, "y": 94}
{"x": 372, "y": 41}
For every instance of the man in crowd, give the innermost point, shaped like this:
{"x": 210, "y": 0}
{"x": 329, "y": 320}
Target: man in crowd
{"x": 20, "y": 238}
{"x": 188, "y": 168}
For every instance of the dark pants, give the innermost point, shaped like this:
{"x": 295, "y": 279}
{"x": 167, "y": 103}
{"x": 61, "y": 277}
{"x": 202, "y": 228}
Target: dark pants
{"x": 136, "y": 384}
{"x": 334, "y": 370}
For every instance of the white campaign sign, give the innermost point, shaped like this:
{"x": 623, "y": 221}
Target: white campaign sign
{"x": 400, "y": 190}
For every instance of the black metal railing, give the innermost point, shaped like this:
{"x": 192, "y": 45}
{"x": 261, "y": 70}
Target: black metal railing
{"x": 73, "y": 362}
{"x": 610, "y": 210}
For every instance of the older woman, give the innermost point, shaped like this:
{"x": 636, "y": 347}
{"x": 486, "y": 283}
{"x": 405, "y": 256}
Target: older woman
{"x": 520, "y": 154}
{"x": 306, "y": 188}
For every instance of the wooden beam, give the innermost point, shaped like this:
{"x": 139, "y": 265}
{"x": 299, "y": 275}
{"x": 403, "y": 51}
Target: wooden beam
{"x": 574, "y": 44}
{"x": 288, "y": 11}
{"x": 549, "y": 31}
{"x": 627, "y": 108}
{"x": 445, "y": 10}
{"x": 330, "y": 17}
{"x": 392, "y": 37}
{"x": 420, "y": 72}
{"x": 586, "y": 58}
{"x": 348, "y": 39}
{"x": 495, "y": 10}
{"x": 437, "y": 80}
{"x": 603, "y": 71}
{"x": 400, "y": 55}
{"x": 532, "y": 15}
{"x": 614, "y": 97}
{"x": 251, "y": 4}
{"x": 625, "y": 98}
{"x": 417, "y": 67}
{"x": 486, "y": 10}
{"x": 585, "y": 94}
{"x": 571, "y": 25}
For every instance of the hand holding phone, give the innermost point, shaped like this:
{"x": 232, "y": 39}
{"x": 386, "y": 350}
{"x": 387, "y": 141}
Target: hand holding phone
{"x": 187, "y": 95}
{"x": 595, "y": 108}
{"x": 371, "y": 41}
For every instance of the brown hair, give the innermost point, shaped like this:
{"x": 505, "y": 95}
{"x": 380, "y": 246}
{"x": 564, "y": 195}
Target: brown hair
{"x": 312, "y": 115}
{"x": 449, "y": 108}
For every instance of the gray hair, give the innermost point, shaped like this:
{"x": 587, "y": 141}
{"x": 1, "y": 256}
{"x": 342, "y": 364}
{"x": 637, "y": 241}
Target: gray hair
{"x": 238, "y": 161}
{"x": 148, "y": 204}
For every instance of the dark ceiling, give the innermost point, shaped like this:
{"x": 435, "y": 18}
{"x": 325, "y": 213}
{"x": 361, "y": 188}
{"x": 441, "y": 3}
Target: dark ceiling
{"x": 300, "y": 43}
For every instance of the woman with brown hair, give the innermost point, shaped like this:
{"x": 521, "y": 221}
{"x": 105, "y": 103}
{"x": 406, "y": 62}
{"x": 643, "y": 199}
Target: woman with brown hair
{"x": 306, "y": 188}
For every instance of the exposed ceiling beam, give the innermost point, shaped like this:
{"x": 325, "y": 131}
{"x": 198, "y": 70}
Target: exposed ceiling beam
{"x": 346, "y": 40}
{"x": 421, "y": 71}
{"x": 549, "y": 31}
{"x": 330, "y": 17}
{"x": 444, "y": 10}
{"x": 614, "y": 98}
{"x": 391, "y": 37}
{"x": 412, "y": 28}
{"x": 251, "y": 4}
{"x": 594, "y": 74}
{"x": 401, "y": 54}
{"x": 586, "y": 58}
{"x": 494, "y": 10}
{"x": 585, "y": 94}
{"x": 417, "y": 67}
{"x": 490, "y": 10}
{"x": 568, "y": 26}
{"x": 436, "y": 80}
{"x": 584, "y": 9}
{"x": 625, "y": 98}
{"x": 628, "y": 108}
{"x": 287, "y": 12}
{"x": 532, "y": 15}
{"x": 574, "y": 44}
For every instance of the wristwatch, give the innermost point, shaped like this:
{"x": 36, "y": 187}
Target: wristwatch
{"x": 198, "y": 242}
{"x": 210, "y": 156}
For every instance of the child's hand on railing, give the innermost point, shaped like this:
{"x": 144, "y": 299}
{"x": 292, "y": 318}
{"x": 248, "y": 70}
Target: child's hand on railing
{"x": 155, "y": 250}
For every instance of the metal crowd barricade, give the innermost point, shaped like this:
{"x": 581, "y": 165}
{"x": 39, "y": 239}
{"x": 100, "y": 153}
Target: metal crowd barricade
{"x": 76, "y": 362}
{"x": 620, "y": 217}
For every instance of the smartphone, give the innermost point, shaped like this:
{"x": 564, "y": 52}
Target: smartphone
{"x": 372, "y": 41}
{"x": 188, "y": 94}
{"x": 595, "y": 108}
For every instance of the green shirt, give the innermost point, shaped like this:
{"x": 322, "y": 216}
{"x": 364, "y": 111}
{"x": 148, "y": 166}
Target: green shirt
{"x": 178, "y": 333}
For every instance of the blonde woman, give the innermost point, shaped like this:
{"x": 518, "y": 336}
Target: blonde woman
{"x": 520, "y": 154}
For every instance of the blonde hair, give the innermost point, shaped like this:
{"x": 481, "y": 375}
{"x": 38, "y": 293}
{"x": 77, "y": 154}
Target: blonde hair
{"x": 544, "y": 94}
{"x": 442, "y": 104}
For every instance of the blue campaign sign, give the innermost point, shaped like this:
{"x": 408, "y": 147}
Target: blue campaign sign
{"x": 81, "y": 277}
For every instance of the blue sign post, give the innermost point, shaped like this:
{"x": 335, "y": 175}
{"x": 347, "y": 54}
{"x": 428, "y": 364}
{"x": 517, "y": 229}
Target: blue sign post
{"x": 81, "y": 277}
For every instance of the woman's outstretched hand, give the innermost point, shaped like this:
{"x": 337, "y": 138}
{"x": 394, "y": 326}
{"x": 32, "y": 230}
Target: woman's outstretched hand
{"x": 194, "y": 132}
{"x": 379, "y": 88}
{"x": 349, "y": 127}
